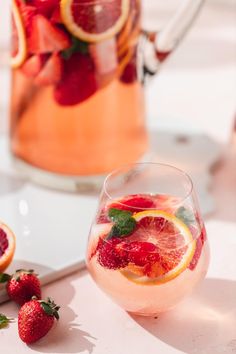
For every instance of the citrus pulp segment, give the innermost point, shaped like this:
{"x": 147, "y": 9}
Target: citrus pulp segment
{"x": 176, "y": 249}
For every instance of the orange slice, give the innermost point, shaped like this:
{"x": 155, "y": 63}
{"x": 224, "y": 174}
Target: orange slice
{"x": 7, "y": 246}
{"x": 174, "y": 242}
{"x": 94, "y": 21}
{"x": 19, "y": 45}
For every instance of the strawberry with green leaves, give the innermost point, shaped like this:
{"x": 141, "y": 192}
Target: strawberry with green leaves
{"x": 22, "y": 285}
{"x": 36, "y": 318}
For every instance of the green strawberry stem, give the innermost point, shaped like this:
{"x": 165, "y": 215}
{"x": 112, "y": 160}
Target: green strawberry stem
{"x": 18, "y": 273}
{"x": 4, "y": 321}
{"x": 49, "y": 307}
{"x": 4, "y": 277}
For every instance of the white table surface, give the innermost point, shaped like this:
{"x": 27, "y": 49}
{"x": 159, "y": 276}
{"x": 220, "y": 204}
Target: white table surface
{"x": 195, "y": 91}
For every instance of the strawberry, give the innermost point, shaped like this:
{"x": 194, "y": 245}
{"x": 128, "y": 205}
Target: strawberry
{"x": 111, "y": 254}
{"x": 46, "y": 37}
{"x": 22, "y": 285}
{"x": 36, "y": 318}
{"x": 56, "y": 15}
{"x": 134, "y": 203}
{"x": 51, "y": 72}
{"x": 45, "y": 7}
{"x": 78, "y": 82}
{"x": 34, "y": 64}
{"x": 199, "y": 244}
{"x": 27, "y": 12}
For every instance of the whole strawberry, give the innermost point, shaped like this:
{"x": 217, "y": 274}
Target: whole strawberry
{"x": 22, "y": 285}
{"x": 36, "y": 318}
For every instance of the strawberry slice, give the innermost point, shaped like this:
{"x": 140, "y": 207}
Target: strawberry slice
{"x": 200, "y": 242}
{"x": 56, "y": 15}
{"x": 133, "y": 203}
{"x": 27, "y": 12}
{"x": 45, "y": 7}
{"x": 46, "y": 37}
{"x": 34, "y": 64}
{"x": 110, "y": 255}
{"x": 78, "y": 82}
{"x": 52, "y": 71}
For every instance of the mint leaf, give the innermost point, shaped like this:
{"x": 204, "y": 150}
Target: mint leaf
{"x": 47, "y": 309}
{"x": 77, "y": 46}
{"x": 124, "y": 223}
{"x": 185, "y": 215}
{"x": 115, "y": 214}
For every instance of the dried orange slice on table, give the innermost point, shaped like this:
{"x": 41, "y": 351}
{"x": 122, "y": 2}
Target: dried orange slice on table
{"x": 172, "y": 248}
{"x": 94, "y": 21}
{"x": 7, "y": 246}
{"x": 19, "y": 45}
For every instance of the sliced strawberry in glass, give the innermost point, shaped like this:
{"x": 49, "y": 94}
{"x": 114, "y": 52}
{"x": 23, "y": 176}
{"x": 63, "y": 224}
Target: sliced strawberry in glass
{"x": 51, "y": 73}
{"x": 199, "y": 245}
{"x": 110, "y": 255}
{"x": 46, "y": 37}
{"x": 133, "y": 203}
{"x": 45, "y": 7}
{"x": 27, "y": 13}
{"x": 34, "y": 64}
{"x": 56, "y": 15}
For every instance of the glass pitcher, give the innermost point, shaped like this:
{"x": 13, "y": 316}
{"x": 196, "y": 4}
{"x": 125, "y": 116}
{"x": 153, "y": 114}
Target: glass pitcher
{"x": 78, "y": 73}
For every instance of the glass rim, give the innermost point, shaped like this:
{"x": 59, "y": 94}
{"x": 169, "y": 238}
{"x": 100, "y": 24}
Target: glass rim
{"x": 179, "y": 201}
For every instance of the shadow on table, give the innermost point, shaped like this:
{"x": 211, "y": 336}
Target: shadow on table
{"x": 187, "y": 151}
{"x": 204, "y": 324}
{"x": 67, "y": 337}
{"x": 10, "y": 184}
{"x": 223, "y": 186}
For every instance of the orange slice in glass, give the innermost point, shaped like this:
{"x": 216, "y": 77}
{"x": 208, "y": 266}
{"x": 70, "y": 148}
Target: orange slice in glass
{"x": 19, "y": 45}
{"x": 174, "y": 243}
{"x": 93, "y": 21}
{"x": 7, "y": 246}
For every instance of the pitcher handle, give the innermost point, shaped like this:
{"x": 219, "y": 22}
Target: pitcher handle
{"x": 158, "y": 45}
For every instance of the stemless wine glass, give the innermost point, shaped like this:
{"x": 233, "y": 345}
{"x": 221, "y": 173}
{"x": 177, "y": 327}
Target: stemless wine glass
{"x": 147, "y": 247}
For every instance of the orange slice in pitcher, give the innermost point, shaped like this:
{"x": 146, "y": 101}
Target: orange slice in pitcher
{"x": 19, "y": 45}
{"x": 93, "y": 21}
{"x": 174, "y": 243}
{"x": 7, "y": 246}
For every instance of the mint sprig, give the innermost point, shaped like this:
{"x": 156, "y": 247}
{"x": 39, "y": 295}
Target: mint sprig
{"x": 76, "y": 46}
{"x": 185, "y": 215}
{"x": 124, "y": 223}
